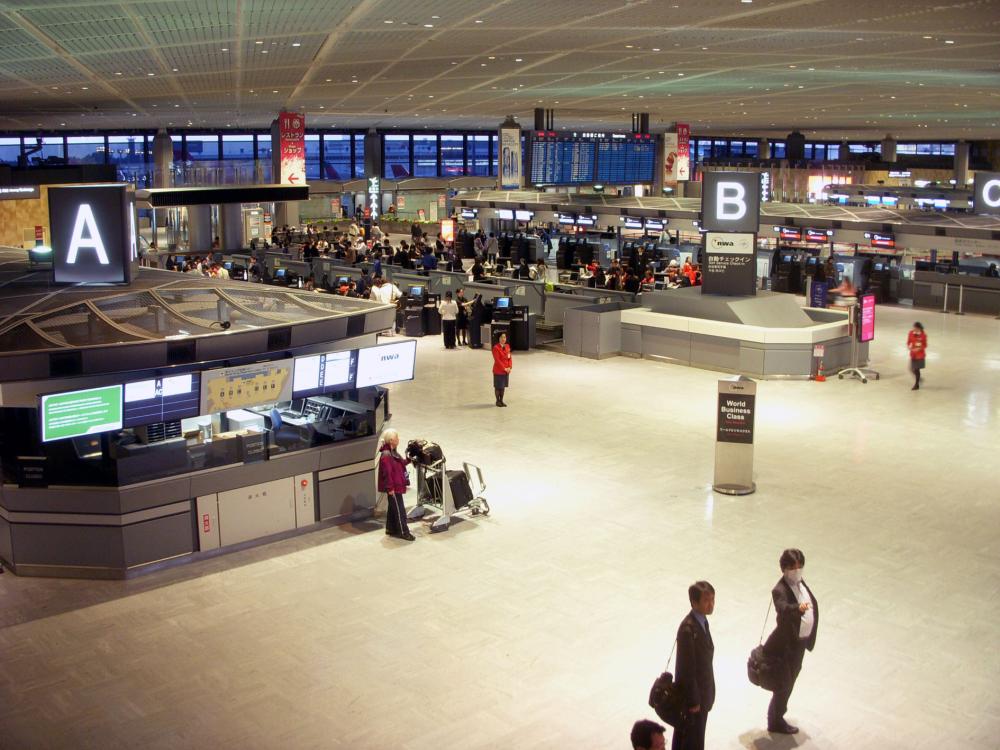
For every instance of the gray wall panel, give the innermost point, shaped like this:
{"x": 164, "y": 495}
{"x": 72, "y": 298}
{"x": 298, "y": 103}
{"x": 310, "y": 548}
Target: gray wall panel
{"x": 239, "y": 345}
{"x": 348, "y": 453}
{"x": 84, "y": 546}
{"x": 156, "y": 493}
{"x": 6, "y": 551}
{"x": 659, "y": 342}
{"x": 57, "y": 500}
{"x": 631, "y": 338}
{"x": 345, "y": 495}
{"x": 573, "y": 323}
{"x": 246, "y": 475}
{"x": 788, "y": 361}
{"x": 158, "y": 539}
{"x": 751, "y": 359}
{"x": 713, "y": 351}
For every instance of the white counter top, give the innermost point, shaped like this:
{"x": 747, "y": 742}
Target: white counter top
{"x": 817, "y": 333}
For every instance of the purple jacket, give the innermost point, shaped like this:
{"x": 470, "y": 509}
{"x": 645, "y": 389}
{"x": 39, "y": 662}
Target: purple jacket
{"x": 391, "y": 472}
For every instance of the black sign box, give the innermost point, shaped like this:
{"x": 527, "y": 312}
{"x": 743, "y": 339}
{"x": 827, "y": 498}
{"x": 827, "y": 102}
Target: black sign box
{"x": 735, "y": 418}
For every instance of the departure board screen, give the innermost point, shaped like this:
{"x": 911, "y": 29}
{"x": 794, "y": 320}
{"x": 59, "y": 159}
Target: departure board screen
{"x": 626, "y": 159}
{"x": 569, "y": 158}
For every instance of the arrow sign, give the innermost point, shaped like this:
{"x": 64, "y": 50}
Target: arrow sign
{"x": 293, "y": 178}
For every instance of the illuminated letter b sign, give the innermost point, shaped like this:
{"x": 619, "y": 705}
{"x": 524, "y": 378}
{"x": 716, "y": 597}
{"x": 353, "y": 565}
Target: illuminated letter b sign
{"x": 730, "y": 202}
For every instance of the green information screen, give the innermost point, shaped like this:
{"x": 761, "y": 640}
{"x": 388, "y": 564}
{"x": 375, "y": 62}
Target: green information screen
{"x": 66, "y": 415}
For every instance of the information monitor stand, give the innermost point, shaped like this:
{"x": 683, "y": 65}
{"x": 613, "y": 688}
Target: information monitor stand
{"x": 855, "y": 370}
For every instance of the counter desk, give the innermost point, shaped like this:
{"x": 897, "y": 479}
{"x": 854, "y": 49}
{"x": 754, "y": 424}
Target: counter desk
{"x": 956, "y": 293}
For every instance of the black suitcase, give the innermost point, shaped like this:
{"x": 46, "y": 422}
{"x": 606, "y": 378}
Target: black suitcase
{"x": 461, "y": 492}
{"x": 424, "y": 451}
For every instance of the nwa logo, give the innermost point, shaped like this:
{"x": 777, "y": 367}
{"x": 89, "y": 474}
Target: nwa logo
{"x": 724, "y": 243}
{"x": 86, "y": 236}
{"x": 388, "y": 357}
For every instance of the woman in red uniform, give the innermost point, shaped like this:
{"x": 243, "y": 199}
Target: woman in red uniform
{"x": 502, "y": 364}
{"x": 916, "y": 342}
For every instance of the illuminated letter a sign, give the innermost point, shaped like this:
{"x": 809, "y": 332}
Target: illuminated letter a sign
{"x": 85, "y": 220}
{"x": 91, "y": 230}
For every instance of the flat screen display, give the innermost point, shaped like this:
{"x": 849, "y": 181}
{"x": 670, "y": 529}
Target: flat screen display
{"x": 162, "y": 399}
{"x": 631, "y": 223}
{"x": 229, "y": 388}
{"x": 655, "y": 225}
{"x": 586, "y": 221}
{"x": 389, "y": 363}
{"x": 866, "y": 329}
{"x": 567, "y": 219}
{"x": 469, "y": 213}
{"x": 524, "y": 215}
{"x": 790, "y": 233}
{"x": 505, "y": 213}
{"x": 887, "y": 241}
{"x": 816, "y": 235}
{"x": 324, "y": 373}
{"x": 279, "y": 273}
{"x": 501, "y": 303}
{"x": 76, "y": 413}
{"x": 416, "y": 291}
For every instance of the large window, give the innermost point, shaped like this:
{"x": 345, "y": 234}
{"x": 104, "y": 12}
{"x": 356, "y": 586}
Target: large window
{"x": 478, "y": 155}
{"x": 337, "y": 157}
{"x": 832, "y": 152}
{"x": 178, "y": 144}
{"x": 202, "y": 147}
{"x": 53, "y": 150}
{"x": 264, "y": 147}
{"x": 425, "y": 156}
{"x": 237, "y": 147}
{"x": 777, "y": 149}
{"x": 85, "y": 149}
{"x": 452, "y": 156}
{"x": 127, "y": 149}
{"x": 359, "y": 155}
{"x": 10, "y": 150}
{"x": 495, "y": 167}
{"x": 312, "y": 157}
{"x": 396, "y": 156}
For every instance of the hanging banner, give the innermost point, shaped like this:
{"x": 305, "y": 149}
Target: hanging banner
{"x": 510, "y": 158}
{"x": 683, "y": 151}
{"x": 670, "y": 157}
{"x": 292, "y": 134}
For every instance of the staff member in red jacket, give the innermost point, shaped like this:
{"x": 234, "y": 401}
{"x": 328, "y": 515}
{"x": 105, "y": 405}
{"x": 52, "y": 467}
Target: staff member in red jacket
{"x": 916, "y": 342}
{"x": 502, "y": 364}
{"x": 392, "y": 481}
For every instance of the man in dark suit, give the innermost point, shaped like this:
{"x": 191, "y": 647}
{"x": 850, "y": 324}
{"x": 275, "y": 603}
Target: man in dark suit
{"x": 695, "y": 678}
{"x": 798, "y": 620}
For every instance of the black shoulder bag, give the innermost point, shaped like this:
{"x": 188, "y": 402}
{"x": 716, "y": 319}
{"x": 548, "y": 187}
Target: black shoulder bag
{"x": 665, "y": 697}
{"x": 763, "y": 669}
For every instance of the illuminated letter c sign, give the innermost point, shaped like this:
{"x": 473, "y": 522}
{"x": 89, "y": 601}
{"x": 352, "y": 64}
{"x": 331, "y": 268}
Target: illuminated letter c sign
{"x": 991, "y": 193}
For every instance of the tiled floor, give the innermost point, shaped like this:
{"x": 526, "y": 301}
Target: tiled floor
{"x": 543, "y": 625}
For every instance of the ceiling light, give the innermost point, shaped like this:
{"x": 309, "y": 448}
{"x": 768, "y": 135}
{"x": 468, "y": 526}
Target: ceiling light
{"x": 174, "y": 69}
{"x": 296, "y": 44}
{"x": 387, "y": 22}
{"x": 328, "y": 80}
{"x": 84, "y": 88}
{"x": 259, "y": 41}
{"x": 225, "y": 49}
{"x": 274, "y": 91}
{"x": 117, "y": 74}
{"x": 746, "y": 2}
{"x": 928, "y": 37}
{"x": 628, "y": 46}
{"x": 518, "y": 59}
{"x": 263, "y": 52}
{"x": 428, "y": 26}
{"x": 948, "y": 41}
{"x": 151, "y": 74}
{"x": 656, "y": 49}
{"x": 435, "y": 16}
{"x": 491, "y": 57}
{"x": 478, "y": 21}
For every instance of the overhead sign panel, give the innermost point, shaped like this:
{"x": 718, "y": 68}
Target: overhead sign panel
{"x": 292, "y": 134}
{"x": 93, "y": 233}
{"x": 730, "y": 202}
{"x": 986, "y": 193}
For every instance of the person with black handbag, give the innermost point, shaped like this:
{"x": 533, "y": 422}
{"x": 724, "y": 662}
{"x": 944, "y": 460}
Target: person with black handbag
{"x": 798, "y": 620}
{"x": 695, "y": 675}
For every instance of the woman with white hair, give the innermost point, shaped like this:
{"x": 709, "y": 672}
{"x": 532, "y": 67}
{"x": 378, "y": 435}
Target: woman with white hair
{"x": 392, "y": 481}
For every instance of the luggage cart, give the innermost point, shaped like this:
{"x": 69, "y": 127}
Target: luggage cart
{"x": 449, "y": 492}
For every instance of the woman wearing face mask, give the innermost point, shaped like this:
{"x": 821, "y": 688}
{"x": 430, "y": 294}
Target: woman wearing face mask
{"x": 798, "y": 619}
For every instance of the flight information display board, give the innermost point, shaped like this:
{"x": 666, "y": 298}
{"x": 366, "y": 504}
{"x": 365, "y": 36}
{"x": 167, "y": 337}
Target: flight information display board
{"x": 626, "y": 159}
{"x": 162, "y": 399}
{"x": 569, "y": 158}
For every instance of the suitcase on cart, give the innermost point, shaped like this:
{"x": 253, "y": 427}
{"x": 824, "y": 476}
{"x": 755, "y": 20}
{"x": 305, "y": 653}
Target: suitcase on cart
{"x": 461, "y": 491}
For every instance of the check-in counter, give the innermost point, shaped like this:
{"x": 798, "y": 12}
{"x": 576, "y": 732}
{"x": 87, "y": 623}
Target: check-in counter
{"x": 757, "y": 351}
{"x": 489, "y": 291}
{"x": 530, "y": 294}
{"x": 557, "y": 303}
{"x": 956, "y": 293}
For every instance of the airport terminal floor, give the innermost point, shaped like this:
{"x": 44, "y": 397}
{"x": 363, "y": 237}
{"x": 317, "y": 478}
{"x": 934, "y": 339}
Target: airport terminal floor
{"x": 544, "y": 624}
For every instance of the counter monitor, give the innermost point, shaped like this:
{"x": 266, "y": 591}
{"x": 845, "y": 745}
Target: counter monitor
{"x": 76, "y": 413}
{"x": 324, "y": 373}
{"x": 501, "y": 303}
{"x": 389, "y": 363}
{"x": 165, "y": 399}
{"x": 416, "y": 291}
{"x": 505, "y": 213}
{"x": 279, "y": 273}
